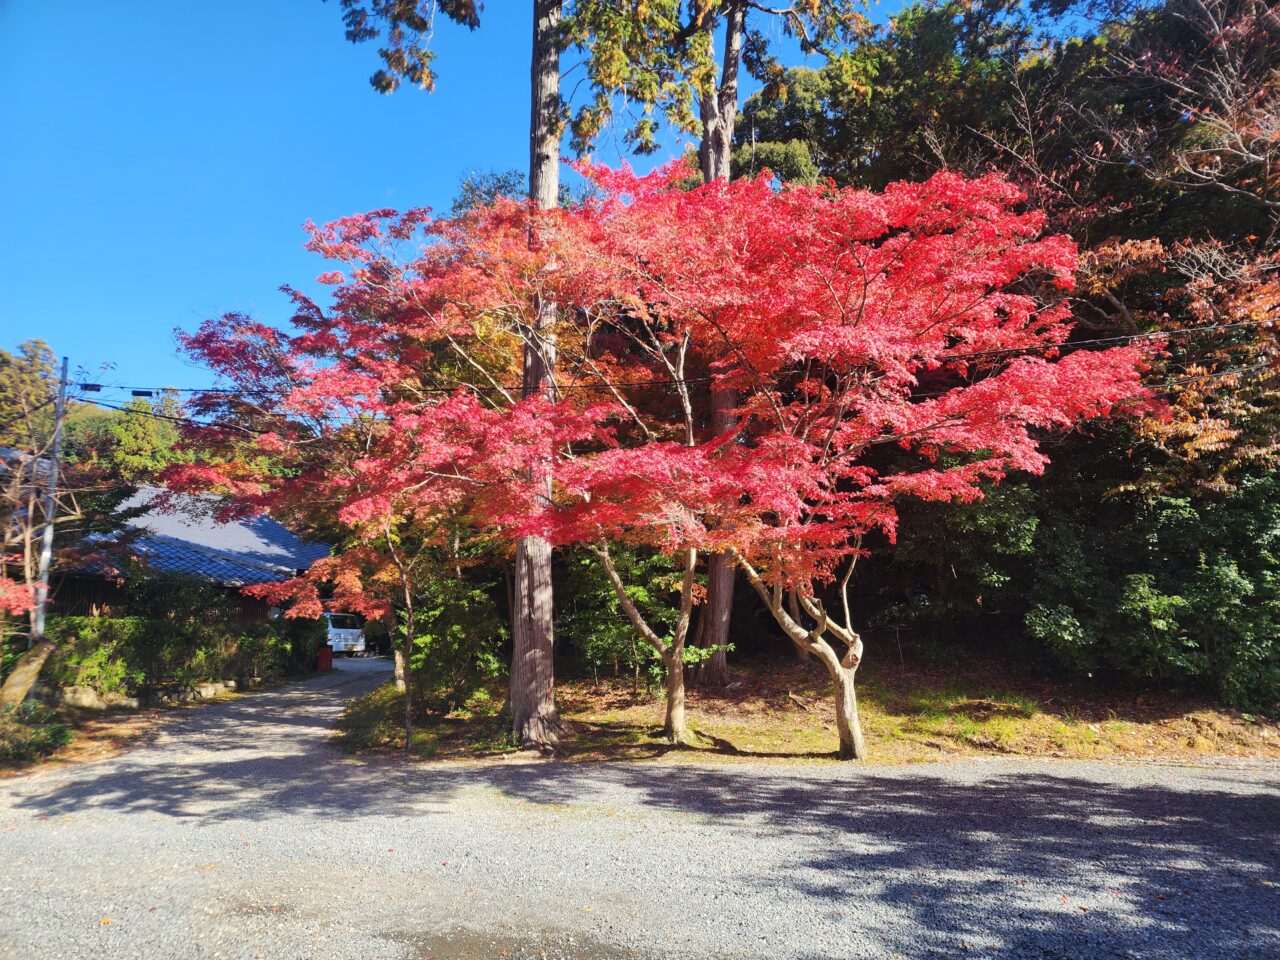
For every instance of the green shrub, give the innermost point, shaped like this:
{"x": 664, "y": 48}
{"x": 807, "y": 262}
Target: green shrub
{"x": 588, "y": 611}
{"x": 178, "y": 598}
{"x": 458, "y": 638}
{"x": 132, "y": 654}
{"x": 952, "y": 569}
{"x": 190, "y": 637}
{"x": 1176, "y": 591}
{"x": 97, "y": 652}
{"x": 30, "y": 731}
{"x": 255, "y": 650}
{"x": 294, "y": 642}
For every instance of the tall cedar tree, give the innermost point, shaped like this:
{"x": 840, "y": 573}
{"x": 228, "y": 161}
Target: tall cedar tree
{"x": 406, "y": 26}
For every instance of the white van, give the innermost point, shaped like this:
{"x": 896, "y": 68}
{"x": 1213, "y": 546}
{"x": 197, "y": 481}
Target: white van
{"x": 345, "y": 634}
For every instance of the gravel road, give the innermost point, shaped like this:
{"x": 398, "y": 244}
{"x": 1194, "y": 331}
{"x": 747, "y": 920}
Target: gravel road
{"x": 242, "y": 833}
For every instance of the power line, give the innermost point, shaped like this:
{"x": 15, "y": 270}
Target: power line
{"x": 1155, "y": 389}
{"x": 147, "y": 392}
{"x": 143, "y": 392}
{"x": 1234, "y": 371}
{"x": 192, "y": 421}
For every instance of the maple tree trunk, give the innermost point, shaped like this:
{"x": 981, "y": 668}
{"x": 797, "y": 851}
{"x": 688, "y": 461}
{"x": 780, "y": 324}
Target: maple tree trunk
{"x": 534, "y": 719}
{"x": 671, "y": 653}
{"x": 403, "y": 683}
{"x": 402, "y": 678}
{"x": 849, "y": 727}
{"x": 17, "y": 686}
{"x": 391, "y": 623}
{"x": 853, "y": 746}
{"x": 673, "y": 725}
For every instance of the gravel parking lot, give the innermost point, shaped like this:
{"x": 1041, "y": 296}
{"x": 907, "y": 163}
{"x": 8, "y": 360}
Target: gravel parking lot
{"x": 242, "y": 833}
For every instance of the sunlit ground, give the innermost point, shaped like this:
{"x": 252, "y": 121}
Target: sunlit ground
{"x": 784, "y": 712}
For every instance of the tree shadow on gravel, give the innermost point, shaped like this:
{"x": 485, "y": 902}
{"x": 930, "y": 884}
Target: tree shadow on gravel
{"x": 1011, "y": 865}
{"x": 1007, "y": 859}
{"x": 1031, "y": 865}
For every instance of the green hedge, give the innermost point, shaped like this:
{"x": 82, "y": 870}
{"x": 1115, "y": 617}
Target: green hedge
{"x": 131, "y": 654}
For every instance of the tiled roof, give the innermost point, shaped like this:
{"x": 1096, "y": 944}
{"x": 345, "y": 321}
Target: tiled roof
{"x": 9, "y": 454}
{"x": 183, "y": 537}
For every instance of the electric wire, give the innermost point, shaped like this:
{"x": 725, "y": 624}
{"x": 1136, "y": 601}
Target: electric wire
{"x": 1154, "y": 389}
{"x": 623, "y": 384}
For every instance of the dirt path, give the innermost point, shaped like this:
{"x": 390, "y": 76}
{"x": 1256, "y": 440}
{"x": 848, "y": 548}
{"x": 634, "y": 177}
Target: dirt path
{"x": 242, "y": 832}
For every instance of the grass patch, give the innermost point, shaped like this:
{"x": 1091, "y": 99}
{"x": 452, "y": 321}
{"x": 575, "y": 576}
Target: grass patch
{"x": 777, "y": 711}
{"x": 376, "y": 722}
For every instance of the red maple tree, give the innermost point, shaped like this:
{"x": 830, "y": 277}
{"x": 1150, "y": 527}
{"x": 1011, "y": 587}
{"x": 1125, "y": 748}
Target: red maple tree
{"x": 908, "y": 343}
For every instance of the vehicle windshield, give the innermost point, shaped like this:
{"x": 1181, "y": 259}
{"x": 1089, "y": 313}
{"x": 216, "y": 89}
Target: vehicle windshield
{"x": 343, "y": 621}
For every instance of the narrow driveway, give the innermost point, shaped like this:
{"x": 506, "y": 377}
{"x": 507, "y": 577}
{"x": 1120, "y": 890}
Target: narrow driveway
{"x": 243, "y": 833}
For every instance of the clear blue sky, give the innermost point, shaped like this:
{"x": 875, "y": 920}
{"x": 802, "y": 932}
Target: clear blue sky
{"x": 159, "y": 158}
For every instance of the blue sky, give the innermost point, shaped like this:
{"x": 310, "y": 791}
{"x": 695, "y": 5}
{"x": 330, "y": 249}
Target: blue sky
{"x": 156, "y": 169}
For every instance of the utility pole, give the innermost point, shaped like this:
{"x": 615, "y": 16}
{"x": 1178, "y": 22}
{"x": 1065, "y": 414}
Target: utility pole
{"x": 50, "y": 509}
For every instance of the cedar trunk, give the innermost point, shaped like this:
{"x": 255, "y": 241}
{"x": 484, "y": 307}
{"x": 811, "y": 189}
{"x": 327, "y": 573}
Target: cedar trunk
{"x": 719, "y": 110}
{"x": 532, "y": 694}
{"x": 534, "y": 719}
{"x": 713, "y": 621}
